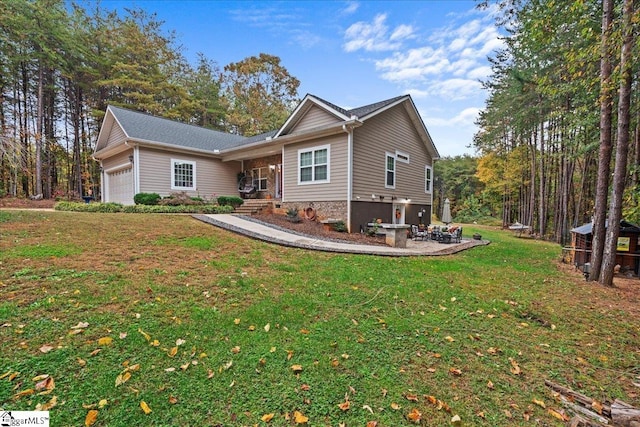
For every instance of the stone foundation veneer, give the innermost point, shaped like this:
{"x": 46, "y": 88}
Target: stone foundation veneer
{"x": 324, "y": 210}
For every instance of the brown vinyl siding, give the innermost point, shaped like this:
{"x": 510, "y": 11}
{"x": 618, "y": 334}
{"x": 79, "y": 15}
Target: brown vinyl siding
{"x": 335, "y": 189}
{"x": 385, "y": 133}
{"x": 315, "y": 117}
{"x": 119, "y": 159}
{"x": 213, "y": 177}
{"x": 116, "y": 136}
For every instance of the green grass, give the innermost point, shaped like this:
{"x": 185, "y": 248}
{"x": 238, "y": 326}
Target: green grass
{"x": 386, "y": 333}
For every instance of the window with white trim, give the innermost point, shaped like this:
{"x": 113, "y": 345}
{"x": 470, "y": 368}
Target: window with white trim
{"x": 390, "y": 171}
{"x": 428, "y": 179}
{"x": 260, "y": 178}
{"x": 313, "y": 165}
{"x": 183, "y": 175}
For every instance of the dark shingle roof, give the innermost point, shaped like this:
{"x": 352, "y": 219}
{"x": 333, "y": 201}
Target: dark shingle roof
{"x": 149, "y": 128}
{"x": 361, "y": 111}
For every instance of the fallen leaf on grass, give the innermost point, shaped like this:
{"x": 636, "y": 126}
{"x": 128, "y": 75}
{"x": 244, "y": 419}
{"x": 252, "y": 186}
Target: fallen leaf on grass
{"x": 414, "y": 416}
{"x": 296, "y": 369}
{"x": 122, "y": 378}
{"x": 80, "y": 325}
{"x": 144, "y": 334}
{"x": 102, "y": 403}
{"x": 344, "y": 405}
{"x": 179, "y": 342}
{"x": 105, "y": 341}
{"x": 267, "y": 327}
{"x": 299, "y": 418}
{"x": 456, "y": 420}
{"x": 267, "y": 417}
{"x": 173, "y": 400}
{"x": 412, "y": 397}
{"x": 558, "y": 415}
{"x": 123, "y": 335}
{"x": 46, "y": 384}
{"x": 372, "y": 424}
{"x": 368, "y": 408}
{"x": 455, "y": 371}
{"x": 490, "y": 385}
{"x": 145, "y": 407}
{"x": 91, "y": 418}
{"x": 46, "y": 348}
{"x": 395, "y": 406}
{"x": 540, "y": 403}
{"x": 46, "y": 406}
{"x": 172, "y": 352}
{"x": 27, "y": 392}
{"x": 81, "y": 362}
{"x": 515, "y": 368}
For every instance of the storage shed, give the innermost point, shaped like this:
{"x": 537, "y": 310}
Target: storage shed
{"x": 628, "y": 252}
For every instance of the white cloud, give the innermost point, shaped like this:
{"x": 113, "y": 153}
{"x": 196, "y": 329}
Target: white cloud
{"x": 374, "y": 36}
{"x": 466, "y": 118}
{"x": 352, "y": 7}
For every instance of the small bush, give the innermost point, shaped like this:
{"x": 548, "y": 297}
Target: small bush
{"x": 293, "y": 216}
{"x": 117, "y": 207}
{"x": 233, "y": 201}
{"x": 180, "y": 199}
{"x": 340, "y": 226}
{"x": 146, "y": 199}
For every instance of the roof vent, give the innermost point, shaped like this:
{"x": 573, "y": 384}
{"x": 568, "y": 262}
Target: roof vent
{"x": 216, "y": 151}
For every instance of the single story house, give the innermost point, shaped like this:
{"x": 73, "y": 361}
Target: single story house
{"x": 353, "y": 165}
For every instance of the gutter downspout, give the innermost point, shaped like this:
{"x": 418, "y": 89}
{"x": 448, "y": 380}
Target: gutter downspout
{"x": 349, "y": 131}
{"x": 136, "y": 169}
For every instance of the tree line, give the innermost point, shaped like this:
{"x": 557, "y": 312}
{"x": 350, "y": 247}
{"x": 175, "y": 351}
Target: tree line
{"x": 61, "y": 65}
{"x": 559, "y": 138}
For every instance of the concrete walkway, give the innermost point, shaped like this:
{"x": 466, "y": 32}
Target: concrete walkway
{"x": 273, "y": 234}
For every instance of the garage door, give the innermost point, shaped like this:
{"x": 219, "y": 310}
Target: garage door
{"x": 121, "y": 186}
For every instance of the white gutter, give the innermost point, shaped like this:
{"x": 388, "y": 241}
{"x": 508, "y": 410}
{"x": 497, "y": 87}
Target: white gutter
{"x": 349, "y": 131}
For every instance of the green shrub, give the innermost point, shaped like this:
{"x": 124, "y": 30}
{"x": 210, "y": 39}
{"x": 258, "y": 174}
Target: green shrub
{"x": 180, "y": 199}
{"x": 117, "y": 207}
{"x": 233, "y": 201}
{"x": 340, "y": 226}
{"x": 146, "y": 199}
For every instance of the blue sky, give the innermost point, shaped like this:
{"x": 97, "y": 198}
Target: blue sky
{"x": 353, "y": 53}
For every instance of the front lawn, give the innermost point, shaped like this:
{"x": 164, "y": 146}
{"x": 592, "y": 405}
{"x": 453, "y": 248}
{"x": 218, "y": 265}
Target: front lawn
{"x": 165, "y": 320}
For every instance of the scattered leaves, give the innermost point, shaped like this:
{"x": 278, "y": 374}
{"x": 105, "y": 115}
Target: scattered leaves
{"x": 145, "y": 407}
{"x": 46, "y": 348}
{"x": 299, "y": 418}
{"x": 414, "y": 416}
{"x": 105, "y": 341}
{"x": 267, "y": 417}
{"x": 515, "y": 368}
{"x": 91, "y": 418}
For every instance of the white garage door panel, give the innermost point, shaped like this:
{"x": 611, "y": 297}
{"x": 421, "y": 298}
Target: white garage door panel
{"x": 121, "y": 186}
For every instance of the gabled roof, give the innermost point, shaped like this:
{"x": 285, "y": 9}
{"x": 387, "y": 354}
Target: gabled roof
{"x": 360, "y": 115}
{"x": 143, "y": 127}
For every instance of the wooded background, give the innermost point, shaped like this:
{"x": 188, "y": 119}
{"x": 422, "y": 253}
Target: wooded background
{"x": 60, "y": 67}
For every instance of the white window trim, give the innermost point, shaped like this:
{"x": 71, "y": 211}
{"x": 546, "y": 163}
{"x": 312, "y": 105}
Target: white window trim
{"x": 313, "y": 150}
{"x": 257, "y": 175}
{"x": 403, "y": 157}
{"x": 428, "y": 185}
{"x": 173, "y": 175}
{"x": 395, "y": 169}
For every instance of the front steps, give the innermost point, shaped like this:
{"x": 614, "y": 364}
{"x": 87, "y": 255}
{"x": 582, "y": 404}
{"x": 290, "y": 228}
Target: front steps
{"x": 252, "y": 206}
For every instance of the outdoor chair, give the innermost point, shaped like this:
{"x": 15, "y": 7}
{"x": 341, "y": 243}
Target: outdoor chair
{"x": 456, "y": 236}
{"x": 417, "y": 233}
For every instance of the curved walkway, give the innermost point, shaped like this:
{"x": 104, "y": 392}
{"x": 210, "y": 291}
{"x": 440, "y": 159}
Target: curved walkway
{"x": 261, "y": 231}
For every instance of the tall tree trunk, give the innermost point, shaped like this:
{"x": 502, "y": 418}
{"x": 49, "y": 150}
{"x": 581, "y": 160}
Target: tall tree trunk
{"x": 39, "y": 131}
{"x": 622, "y": 147}
{"x": 542, "y": 211}
{"x": 604, "y": 154}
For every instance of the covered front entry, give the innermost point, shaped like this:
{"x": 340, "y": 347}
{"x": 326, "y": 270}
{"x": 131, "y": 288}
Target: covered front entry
{"x": 119, "y": 186}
